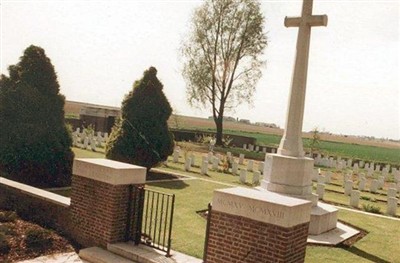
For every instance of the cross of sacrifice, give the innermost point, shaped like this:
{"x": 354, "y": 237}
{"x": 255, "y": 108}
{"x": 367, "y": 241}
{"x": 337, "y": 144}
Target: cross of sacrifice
{"x": 291, "y": 143}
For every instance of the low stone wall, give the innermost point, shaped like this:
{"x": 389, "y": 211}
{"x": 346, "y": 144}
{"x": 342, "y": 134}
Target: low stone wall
{"x": 186, "y": 135}
{"x": 42, "y": 207}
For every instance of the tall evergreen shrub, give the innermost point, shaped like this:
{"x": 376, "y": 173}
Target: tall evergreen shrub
{"x": 34, "y": 141}
{"x": 142, "y": 136}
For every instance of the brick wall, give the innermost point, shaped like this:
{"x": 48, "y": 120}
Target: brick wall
{"x": 99, "y": 211}
{"x": 236, "y": 239}
{"x": 34, "y": 204}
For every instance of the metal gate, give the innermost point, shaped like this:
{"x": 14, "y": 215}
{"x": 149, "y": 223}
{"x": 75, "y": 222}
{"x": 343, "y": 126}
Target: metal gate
{"x": 152, "y": 213}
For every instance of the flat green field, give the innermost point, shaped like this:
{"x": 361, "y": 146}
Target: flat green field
{"x": 355, "y": 151}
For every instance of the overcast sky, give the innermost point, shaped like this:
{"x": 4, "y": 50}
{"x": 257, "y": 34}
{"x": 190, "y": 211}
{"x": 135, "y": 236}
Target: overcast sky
{"x": 99, "y": 48}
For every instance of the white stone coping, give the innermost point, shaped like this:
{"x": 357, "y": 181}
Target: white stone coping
{"x": 263, "y": 206}
{"x": 109, "y": 171}
{"x": 36, "y": 192}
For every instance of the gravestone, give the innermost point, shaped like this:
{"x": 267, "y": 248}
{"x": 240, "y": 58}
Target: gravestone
{"x": 250, "y": 165}
{"x": 204, "y": 168}
{"x": 235, "y": 167}
{"x": 243, "y": 175}
{"x": 328, "y": 177}
{"x": 366, "y": 166}
{"x": 374, "y": 186}
{"x": 176, "y": 156}
{"x": 188, "y": 163}
{"x": 392, "y": 206}
{"x": 264, "y": 150}
{"x": 215, "y": 163}
{"x": 241, "y": 159}
{"x": 392, "y": 192}
{"x": 251, "y": 147}
{"x": 361, "y": 184}
{"x": 257, "y": 148}
{"x": 348, "y": 187}
{"x": 210, "y": 157}
{"x": 261, "y": 167}
{"x": 273, "y": 150}
{"x": 381, "y": 182}
{"x": 315, "y": 174}
{"x": 321, "y": 179}
{"x": 244, "y": 146}
{"x": 355, "y": 198}
{"x": 256, "y": 178}
{"x": 192, "y": 160}
{"x": 320, "y": 191}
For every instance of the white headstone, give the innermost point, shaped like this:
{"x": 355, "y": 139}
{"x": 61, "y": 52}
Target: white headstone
{"x": 328, "y": 177}
{"x": 210, "y": 157}
{"x": 257, "y": 148}
{"x": 204, "y": 168}
{"x": 244, "y": 146}
{"x": 273, "y": 150}
{"x": 243, "y": 174}
{"x": 354, "y": 198}
{"x": 366, "y": 166}
{"x": 361, "y": 184}
{"x": 85, "y": 142}
{"x": 321, "y": 179}
{"x": 261, "y": 167}
{"x": 264, "y": 150}
{"x": 381, "y": 182}
{"x": 362, "y": 163}
{"x": 251, "y": 147}
{"x": 241, "y": 159}
{"x": 320, "y": 191}
{"x": 215, "y": 163}
{"x": 378, "y": 167}
{"x": 256, "y": 177}
{"x": 392, "y": 192}
{"x": 374, "y": 186}
{"x": 250, "y": 165}
{"x": 315, "y": 174}
{"x": 192, "y": 160}
{"x": 355, "y": 167}
{"x": 188, "y": 163}
{"x": 349, "y": 162}
{"x": 348, "y": 187}
{"x": 176, "y": 156}
{"x": 392, "y": 206}
{"x": 235, "y": 168}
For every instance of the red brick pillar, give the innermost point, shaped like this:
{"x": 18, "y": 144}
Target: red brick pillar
{"x": 251, "y": 226}
{"x": 100, "y": 199}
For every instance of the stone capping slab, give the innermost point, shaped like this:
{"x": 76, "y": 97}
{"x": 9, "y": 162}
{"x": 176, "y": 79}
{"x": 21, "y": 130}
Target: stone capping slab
{"x": 263, "y": 206}
{"x": 109, "y": 171}
{"x": 36, "y": 192}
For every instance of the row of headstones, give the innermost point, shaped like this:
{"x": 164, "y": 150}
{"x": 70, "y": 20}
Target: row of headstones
{"x": 215, "y": 161}
{"x": 256, "y": 148}
{"x": 340, "y": 164}
{"x": 89, "y": 142}
{"x": 376, "y": 184}
{"x": 392, "y": 200}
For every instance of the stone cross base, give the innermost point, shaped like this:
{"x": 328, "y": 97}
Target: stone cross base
{"x": 292, "y": 176}
{"x": 250, "y": 226}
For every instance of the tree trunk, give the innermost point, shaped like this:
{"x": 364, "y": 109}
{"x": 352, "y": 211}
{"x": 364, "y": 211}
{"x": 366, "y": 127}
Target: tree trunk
{"x": 219, "y": 124}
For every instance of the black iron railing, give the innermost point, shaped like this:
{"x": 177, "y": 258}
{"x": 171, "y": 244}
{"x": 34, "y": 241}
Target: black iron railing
{"x": 154, "y": 227}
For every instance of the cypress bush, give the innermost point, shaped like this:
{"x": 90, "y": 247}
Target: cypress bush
{"x": 142, "y": 136}
{"x": 34, "y": 141}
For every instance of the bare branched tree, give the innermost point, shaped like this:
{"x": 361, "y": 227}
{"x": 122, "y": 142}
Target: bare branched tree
{"x": 222, "y": 63}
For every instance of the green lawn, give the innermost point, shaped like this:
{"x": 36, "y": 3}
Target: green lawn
{"x": 380, "y": 245}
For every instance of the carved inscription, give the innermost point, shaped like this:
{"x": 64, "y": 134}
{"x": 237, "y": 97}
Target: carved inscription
{"x": 247, "y": 208}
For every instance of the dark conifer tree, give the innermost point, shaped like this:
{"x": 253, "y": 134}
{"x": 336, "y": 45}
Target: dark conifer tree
{"x": 142, "y": 136}
{"x": 35, "y": 145}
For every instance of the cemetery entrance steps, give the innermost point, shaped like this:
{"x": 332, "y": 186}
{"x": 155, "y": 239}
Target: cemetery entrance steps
{"x": 129, "y": 253}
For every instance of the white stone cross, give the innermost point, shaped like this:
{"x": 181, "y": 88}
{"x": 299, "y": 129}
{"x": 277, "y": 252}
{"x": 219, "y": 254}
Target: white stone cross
{"x": 291, "y": 143}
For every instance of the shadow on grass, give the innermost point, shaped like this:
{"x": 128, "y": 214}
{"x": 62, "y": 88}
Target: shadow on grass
{"x": 366, "y": 255}
{"x": 178, "y": 184}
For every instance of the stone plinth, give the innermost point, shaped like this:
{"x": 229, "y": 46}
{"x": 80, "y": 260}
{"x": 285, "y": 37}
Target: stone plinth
{"x": 100, "y": 199}
{"x": 292, "y": 176}
{"x": 249, "y": 226}
{"x": 288, "y": 175}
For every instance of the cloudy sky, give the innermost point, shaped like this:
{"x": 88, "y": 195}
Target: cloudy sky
{"x": 99, "y": 48}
